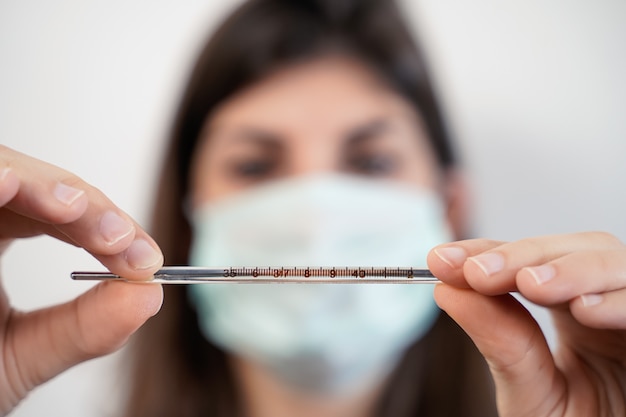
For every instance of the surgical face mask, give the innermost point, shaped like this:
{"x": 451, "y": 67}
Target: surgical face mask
{"x": 325, "y": 338}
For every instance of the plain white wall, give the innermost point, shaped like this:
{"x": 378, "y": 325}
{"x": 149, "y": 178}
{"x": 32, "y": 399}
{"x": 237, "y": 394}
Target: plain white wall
{"x": 535, "y": 92}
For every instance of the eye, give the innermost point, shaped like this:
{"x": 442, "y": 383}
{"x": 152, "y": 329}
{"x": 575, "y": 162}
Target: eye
{"x": 375, "y": 164}
{"x": 253, "y": 169}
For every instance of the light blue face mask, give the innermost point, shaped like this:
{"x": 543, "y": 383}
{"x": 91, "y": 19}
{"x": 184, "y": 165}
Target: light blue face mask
{"x": 329, "y": 338}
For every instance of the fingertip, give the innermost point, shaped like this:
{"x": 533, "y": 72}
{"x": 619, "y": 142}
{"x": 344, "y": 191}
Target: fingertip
{"x": 538, "y": 285}
{"x": 117, "y": 309}
{"x": 139, "y": 300}
{"x": 145, "y": 298}
{"x": 440, "y": 296}
{"x": 489, "y": 263}
{"x": 155, "y": 299}
{"x": 591, "y": 300}
{"x": 138, "y": 262}
{"x": 446, "y": 263}
{"x": 585, "y": 310}
{"x": 453, "y": 256}
{"x": 454, "y": 300}
{"x": 541, "y": 274}
{"x": 478, "y": 277}
{"x": 600, "y": 311}
{"x": 143, "y": 255}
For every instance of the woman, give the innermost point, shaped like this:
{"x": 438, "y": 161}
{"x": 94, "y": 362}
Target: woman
{"x": 289, "y": 90}
{"x": 278, "y": 113}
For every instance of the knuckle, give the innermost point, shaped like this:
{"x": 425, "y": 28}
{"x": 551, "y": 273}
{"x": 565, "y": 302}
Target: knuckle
{"x": 605, "y": 238}
{"x": 7, "y": 159}
{"x": 73, "y": 180}
{"x": 94, "y": 194}
{"x": 534, "y": 247}
{"x": 5, "y": 149}
{"x": 10, "y": 157}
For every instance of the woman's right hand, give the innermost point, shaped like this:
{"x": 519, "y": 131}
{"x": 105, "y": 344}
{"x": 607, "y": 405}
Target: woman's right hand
{"x": 38, "y": 198}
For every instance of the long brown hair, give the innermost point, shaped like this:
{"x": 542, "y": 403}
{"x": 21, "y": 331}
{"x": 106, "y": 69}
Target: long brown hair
{"x": 175, "y": 371}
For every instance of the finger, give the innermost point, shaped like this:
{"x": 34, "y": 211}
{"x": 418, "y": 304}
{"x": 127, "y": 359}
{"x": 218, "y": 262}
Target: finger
{"x": 137, "y": 261}
{"x": 49, "y": 195}
{"x": 42, "y": 344}
{"x": 574, "y": 275}
{"x": 53, "y": 201}
{"x": 526, "y": 378}
{"x": 601, "y": 311}
{"x": 446, "y": 261}
{"x": 14, "y": 225}
{"x": 44, "y": 192}
{"x": 494, "y": 271}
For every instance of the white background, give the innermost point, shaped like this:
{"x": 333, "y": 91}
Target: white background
{"x": 534, "y": 89}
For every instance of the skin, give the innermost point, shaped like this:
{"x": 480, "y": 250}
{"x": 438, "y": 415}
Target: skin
{"x": 586, "y": 293}
{"x": 581, "y": 279}
{"x": 326, "y": 115}
{"x": 297, "y": 122}
{"x": 37, "y": 198}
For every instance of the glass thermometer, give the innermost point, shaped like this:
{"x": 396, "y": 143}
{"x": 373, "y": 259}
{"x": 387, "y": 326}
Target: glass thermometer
{"x": 280, "y": 274}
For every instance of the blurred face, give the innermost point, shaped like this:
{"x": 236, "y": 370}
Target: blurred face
{"x": 330, "y": 115}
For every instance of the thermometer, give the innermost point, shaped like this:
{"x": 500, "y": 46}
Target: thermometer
{"x": 280, "y": 274}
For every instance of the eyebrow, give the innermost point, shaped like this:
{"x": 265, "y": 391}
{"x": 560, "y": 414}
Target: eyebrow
{"x": 257, "y": 137}
{"x": 355, "y": 136}
{"x": 367, "y": 131}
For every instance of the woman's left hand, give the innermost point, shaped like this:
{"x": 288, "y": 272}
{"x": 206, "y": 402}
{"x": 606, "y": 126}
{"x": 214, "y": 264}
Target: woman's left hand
{"x": 581, "y": 278}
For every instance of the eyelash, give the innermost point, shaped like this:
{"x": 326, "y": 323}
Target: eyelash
{"x": 251, "y": 169}
{"x": 373, "y": 165}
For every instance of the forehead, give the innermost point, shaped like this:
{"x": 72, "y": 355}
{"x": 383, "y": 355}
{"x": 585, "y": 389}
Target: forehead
{"x": 325, "y": 92}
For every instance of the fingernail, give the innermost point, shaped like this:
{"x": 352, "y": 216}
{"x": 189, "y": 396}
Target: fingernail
{"x": 542, "y": 274}
{"x": 4, "y": 173}
{"x": 141, "y": 255}
{"x": 114, "y": 228}
{"x": 590, "y": 300}
{"x": 66, "y": 194}
{"x": 490, "y": 263}
{"x": 452, "y": 255}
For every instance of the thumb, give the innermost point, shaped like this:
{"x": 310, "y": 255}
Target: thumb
{"x": 44, "y": 343}
{"x": 526, "y": 378}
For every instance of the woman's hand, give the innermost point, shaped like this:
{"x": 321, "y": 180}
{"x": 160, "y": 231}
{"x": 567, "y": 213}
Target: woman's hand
{"x": 38, "y": 198}
{"x": 581, "y": 278}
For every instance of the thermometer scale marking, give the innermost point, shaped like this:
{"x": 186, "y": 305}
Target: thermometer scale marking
{"x": 278, "y": 274}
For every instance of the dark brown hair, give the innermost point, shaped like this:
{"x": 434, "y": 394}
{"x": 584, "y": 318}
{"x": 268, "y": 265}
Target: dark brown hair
{"x": 175, "y": 371}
